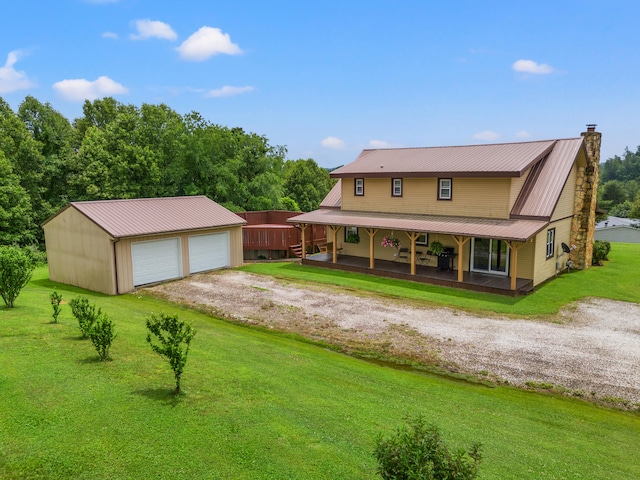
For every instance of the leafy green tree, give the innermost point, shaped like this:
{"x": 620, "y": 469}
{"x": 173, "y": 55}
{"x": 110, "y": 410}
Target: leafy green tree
{"x": 635, "y": 210}
{"x": 56, "y": 300}
{"x": 306, "y": 183}
{"x": 102, "y": 334}
{"x": 15, "y": 208}
{"x": 16, "y": 267}
{"x": 613, "y": 192}
{"x": 86, "y": 313}
{"x": 417, "y": 451}
{"x": 622, "y": 209}
{"x": 172, "y": 339}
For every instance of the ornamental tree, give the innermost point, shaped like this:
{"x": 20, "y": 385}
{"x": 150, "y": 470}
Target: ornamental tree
{"x": 16, "y": 267}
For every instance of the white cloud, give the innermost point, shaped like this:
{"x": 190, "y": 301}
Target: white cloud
{"x": 79, "y": 90}
{"x": 112, "y": 35}
{"x": 523, "y": 134}
{"x": 227, "y": 91}
{"x": 12, "y": 79}
{"x": 206, "y": 43}
{"x": 379, "y": 144}
{"x": 486, "y": 136}
{"x": 529, "y": 66}
{"x": 153, "y": 29}
{"x": 333, "y": 143}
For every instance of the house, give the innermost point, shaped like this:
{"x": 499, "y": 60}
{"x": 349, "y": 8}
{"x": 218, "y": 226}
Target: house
{"x": 114, "y": 246}
{"x": 616, "y": 229}
{"x": 268, "y": 236}
{"x": 509, "y": 216}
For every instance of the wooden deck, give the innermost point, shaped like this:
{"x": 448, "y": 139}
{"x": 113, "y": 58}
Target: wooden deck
{"x": 426, "y": 274}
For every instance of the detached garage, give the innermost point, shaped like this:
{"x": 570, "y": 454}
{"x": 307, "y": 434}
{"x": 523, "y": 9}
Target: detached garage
{"x": 114, "y": 246}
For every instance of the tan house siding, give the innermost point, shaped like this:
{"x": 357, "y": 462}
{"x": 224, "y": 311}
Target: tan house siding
{"x": 80, "y": 253}
{"x": 546, "y": 268}
{"x": 526, "y": 261}
{"x": 516, "y": 187}
{"x": 566, "y": 202}
{"x": 420, "y": 196}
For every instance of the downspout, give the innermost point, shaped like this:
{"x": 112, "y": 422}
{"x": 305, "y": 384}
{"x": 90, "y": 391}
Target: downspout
{"x": 115, "y": 265}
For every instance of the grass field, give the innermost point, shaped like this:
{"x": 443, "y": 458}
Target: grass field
{"x": 619, "y": 279}
{"x": 259, "y": 405}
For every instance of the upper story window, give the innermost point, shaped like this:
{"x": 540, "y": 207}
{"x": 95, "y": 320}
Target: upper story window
{"x": 423, "y": 239}
{"x": 358, "y": 187}
{"x": 551, "y": 242}
{"x": 444, "y": 188}
{"x": 396, "y": 187}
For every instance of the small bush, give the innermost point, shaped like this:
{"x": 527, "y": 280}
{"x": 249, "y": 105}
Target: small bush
{"x": 56, "y": 299}
{"x": 417, "y": 451}
{"x": 173, "y": 340}
{"x": 16, "y": 267}
{"x": 102, "y": 335}
{"x": 601, "y": 249}
{"x": 86, "y": 314}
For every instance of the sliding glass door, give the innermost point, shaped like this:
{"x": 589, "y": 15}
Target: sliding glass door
{"x": 490, "y": 256}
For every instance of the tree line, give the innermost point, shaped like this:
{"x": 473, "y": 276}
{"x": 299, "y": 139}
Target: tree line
{"x": 120, "y": 151}
{"x": 619, "y": 190}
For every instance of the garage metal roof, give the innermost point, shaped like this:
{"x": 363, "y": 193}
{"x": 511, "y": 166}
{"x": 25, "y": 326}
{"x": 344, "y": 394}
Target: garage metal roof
{"x": 147, "y": 216}
{"x": 518, "y": 230}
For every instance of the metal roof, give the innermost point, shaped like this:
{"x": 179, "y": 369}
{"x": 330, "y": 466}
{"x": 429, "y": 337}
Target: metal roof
{"x": 494, "y": 160}
{"x": 518, "y": 230}
{"x": 334, "y": 197}
{"x": 147, "y": 216}
{"x": 541, "y": 191}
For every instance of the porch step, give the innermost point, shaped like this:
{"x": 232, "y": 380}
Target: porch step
{"x": 296, "y": 249}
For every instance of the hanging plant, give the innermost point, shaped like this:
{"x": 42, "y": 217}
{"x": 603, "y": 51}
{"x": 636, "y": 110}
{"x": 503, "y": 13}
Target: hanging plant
{"x": 353, "y": 238}
{"x": 436, "y": 248}
{"x": 390, "y": 241}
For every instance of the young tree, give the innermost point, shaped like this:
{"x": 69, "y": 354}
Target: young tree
{"x": 417, "y": 451}
{"x": 86, "y": 314}
{"x": 16, "y": 267}
{"x": 173, "y": 339}
{"x": 56, "y": 299}
{"x": 102, "y": 335}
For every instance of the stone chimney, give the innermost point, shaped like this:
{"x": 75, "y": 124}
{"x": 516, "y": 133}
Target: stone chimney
{"x": 584, "y": 218}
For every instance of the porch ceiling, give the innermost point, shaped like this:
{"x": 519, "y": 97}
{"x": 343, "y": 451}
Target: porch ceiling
{"x": 517, "y": 230}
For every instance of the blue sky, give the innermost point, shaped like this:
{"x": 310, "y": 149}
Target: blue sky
{"x": 330, "y": 78}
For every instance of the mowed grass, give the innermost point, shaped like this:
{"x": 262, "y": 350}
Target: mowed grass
{"x": 259, "y": 405}
{"x": 618, "y": 279}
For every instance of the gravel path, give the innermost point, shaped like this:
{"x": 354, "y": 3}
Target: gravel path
{"x": 592, "y": 349}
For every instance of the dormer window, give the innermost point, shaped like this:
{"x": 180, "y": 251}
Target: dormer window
{"x": 358, "y": 187}
{"x": 396, "y": 187}
{"x": 444, "y": 188}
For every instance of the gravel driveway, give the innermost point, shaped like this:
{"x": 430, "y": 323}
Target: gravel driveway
{"x": 591, "y": 349}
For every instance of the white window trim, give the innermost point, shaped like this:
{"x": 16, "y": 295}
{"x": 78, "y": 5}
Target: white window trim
{"x": 358, "y": 187}
{"x": 551, "y": 243}
{"x": 396, "y": 187}
{"x": 442, "y": 188}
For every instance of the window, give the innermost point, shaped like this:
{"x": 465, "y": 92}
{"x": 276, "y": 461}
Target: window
{"x": 444, "y": 189}
{"x": 551, "y": 242}
{"x": 350, "y": 233}
{"x": 358, "y": 186}
{"x": 396, "y": 187}
{"x": 423, "y": 239}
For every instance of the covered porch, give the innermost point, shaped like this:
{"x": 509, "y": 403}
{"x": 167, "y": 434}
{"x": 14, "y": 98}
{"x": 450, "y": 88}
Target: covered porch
{"x": 461, "y": 231}
{"x": 423, "y": 274}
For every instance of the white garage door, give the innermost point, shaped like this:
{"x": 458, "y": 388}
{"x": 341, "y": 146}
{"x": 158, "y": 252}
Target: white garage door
{"x": 156, "y": 261}
{"x": 207, "y": 252}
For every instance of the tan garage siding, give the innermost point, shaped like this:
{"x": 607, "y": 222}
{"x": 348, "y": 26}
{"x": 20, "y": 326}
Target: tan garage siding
{"x": 124, "y": 260}
{"x": 420, "y": 196}
{"x": 80, "y": 253}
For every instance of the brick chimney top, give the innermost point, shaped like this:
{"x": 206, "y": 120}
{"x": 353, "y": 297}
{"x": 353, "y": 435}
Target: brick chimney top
{"x": 591, "y": 127}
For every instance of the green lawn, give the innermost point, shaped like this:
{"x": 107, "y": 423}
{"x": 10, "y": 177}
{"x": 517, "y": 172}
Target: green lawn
{"x": 259, "y": 405}
{"x": 618, "y": 279}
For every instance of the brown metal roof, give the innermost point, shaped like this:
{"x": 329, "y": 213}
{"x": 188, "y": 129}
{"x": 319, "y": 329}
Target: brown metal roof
{"x": 519, "y": 230}
{"x": 541, "y": 191}
{"x": 334, "y": 197}
{"x": 497, "y": 160}
{"x": 146, "y": 216}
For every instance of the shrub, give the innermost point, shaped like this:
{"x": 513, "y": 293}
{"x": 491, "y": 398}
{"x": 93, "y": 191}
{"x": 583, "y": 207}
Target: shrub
{"x": 174, "y": 338}
{"x": 86, "y": 314}
{"x": 16, "y": 267}
{"x": 56, "y": 299}
{"x": 102, "y": 335}
{"x": 417, "y": 451}
{"x": 601, "y": 249}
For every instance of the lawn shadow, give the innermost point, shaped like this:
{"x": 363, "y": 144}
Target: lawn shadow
{"x": 163, "y": 395}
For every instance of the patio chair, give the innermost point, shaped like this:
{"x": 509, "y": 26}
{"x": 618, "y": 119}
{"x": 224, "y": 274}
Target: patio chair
{"x": 424, "y": 258}
{"x": 402, "y": 253}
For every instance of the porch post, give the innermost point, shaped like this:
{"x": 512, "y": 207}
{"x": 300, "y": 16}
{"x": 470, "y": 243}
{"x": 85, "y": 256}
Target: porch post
{"x": 336, "y": 229}
{"x": 513, "y": 265}
{"x": 303, "y": 227}
{"x": 413, "y": 236}
{"x": 372, "y": 233}
{"x": 461, "y": 241}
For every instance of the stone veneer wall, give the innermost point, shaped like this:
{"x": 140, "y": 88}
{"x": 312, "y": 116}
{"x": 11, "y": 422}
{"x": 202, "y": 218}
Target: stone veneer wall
{"x": 584, "y": 219}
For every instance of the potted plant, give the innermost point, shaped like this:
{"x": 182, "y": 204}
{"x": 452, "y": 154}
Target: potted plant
{"x": 436, "y": 248}
{"x": 353, "y": 238}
